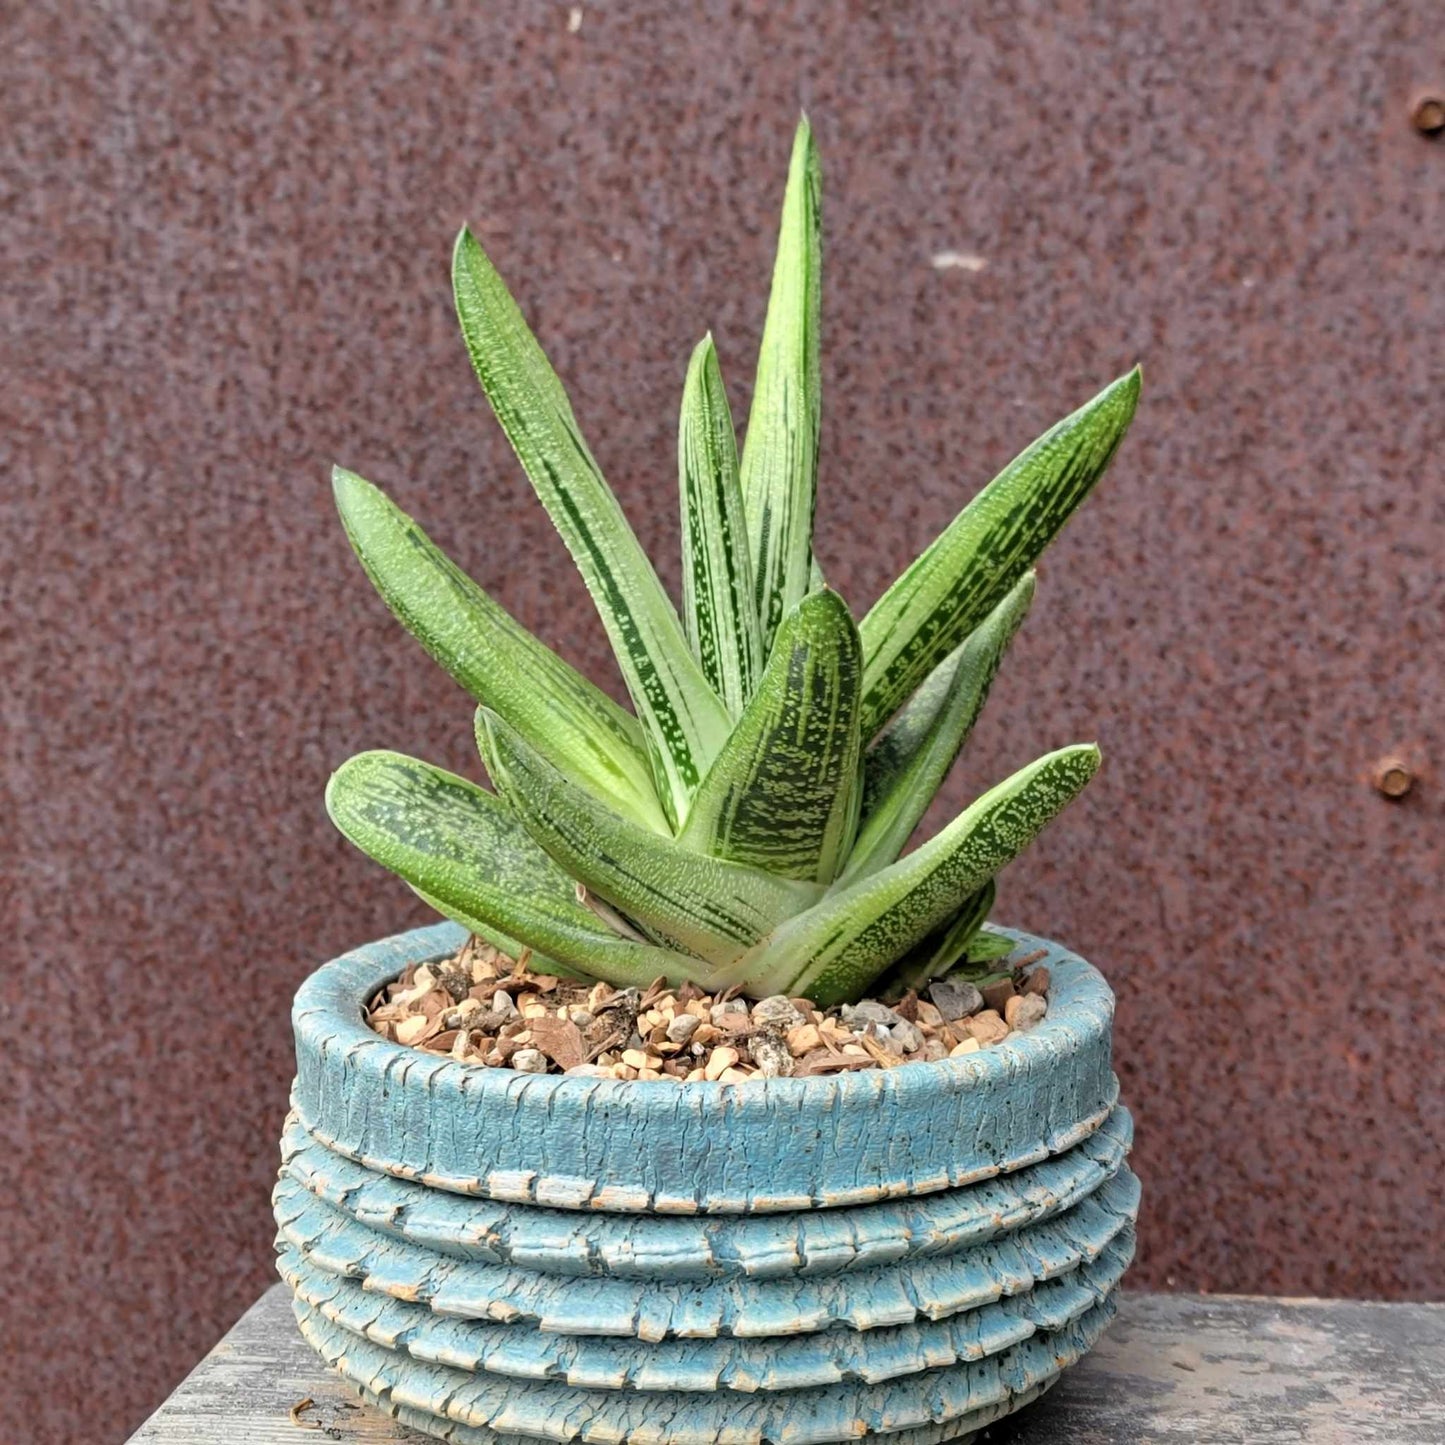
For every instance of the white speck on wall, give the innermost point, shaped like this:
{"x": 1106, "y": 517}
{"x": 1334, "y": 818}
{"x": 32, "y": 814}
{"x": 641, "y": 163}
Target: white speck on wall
{"x": 958, "y": 261}
{"x": 574, "y": 20}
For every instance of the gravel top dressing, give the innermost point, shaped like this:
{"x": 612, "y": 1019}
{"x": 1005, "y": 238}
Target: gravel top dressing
{"x": 481, "y": 1007}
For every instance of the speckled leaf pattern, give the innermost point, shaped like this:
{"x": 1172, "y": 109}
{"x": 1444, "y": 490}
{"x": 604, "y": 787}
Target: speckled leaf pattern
{"x": 780, "y": 451}
{"x": 465, "y": 852}
{"x": 701, "y": 905}
{"x": 948, "y": 591}
{"x": 838, "y": 947}
{"x": 719, "y": 609}
{"x": 940, "y": 950}
{"x": 906, "y": 766}
{"x": 494, "y": 657}
{"x": 783, "y": 793}
{"x": 684, "y": 720}
{"x": 747, "y": 766}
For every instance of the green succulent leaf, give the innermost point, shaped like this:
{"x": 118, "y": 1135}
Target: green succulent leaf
{"x": 945, "y": 946}
{"x": 836, "y": 949}
{"x": 461, "y": 848}
{"x": 947, "y": 592}
{"x": 780, "y": 453}
{"x": 596, "y": 743}
{"x": 683, "y": 719}
{"x": 984, "y": 947}
{"x": 906, "y": 766}
{"x": 718, "y": 607}
{"x": 512, "y": 947}
{"x": 783, "y": 793}
{"x": 708, "y": 907}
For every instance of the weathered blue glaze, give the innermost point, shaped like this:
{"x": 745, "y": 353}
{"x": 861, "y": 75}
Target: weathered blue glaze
{"x": 862, "y": 1299}
{"x": 962, "y": 1397}
{"x": 499, "y": 1260}
{"x": 775, "y": 1144}
{"x": 824, "y": 1357}
{"x": 758, "y": 1246}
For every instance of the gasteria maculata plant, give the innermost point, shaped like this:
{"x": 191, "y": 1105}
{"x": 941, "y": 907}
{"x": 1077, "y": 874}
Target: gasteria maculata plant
{"x": 744, "y": 826}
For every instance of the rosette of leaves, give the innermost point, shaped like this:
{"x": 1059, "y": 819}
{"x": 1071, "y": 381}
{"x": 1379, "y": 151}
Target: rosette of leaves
{"x": 744, "y": 823}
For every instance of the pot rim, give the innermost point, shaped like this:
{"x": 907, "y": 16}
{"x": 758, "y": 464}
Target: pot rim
{"x": 664, "y": 1147}
{"x": 339, "y": 990}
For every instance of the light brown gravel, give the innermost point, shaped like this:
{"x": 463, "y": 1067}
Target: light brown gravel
{"x": 483, "y": 1008}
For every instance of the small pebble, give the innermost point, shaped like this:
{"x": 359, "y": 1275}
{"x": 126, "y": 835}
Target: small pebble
{"x": 530, "y": 1061}
{"x": 988, "y": 1027}
{"x": 503, "y": 1003}
{"x": 770, "y": 1053}
{"x": 1038, "y": 981}
{"x": 409, "y": 1031}
{"x": 778, "y": 1011}
{"x": 682, "y": 1028}
{"x": 997, "y": 993}
{"x": 870, "y": 1011}
{"x": 968, "y": 1046}
{"x": 720, "y": 1011}
{"x": 907, "y": 1038}
{"x": 955, "y": 998}
{"x": 804, "y": 1039}
{"x": 459, "y": 1017}
{"x": 455, "y": 977}
{"x": 1025, "y": 1011}
{"x": 721, "y": 1060}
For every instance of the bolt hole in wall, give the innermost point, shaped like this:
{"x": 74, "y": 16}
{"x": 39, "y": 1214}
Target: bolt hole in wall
{"x": 1427, "y": 113}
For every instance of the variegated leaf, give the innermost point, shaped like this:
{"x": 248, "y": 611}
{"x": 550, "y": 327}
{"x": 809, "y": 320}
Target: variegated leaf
{"x": 718, "y": 606}
{"x": 836, "y": 949}
{"x": 783, "y": 793}
{"x": 683, "y": 719}
{"x": 500, "y": 663}
{"x": 947, "y": 592}
{"x": 943, "y": 948}
{"x": 704, "y": 906}
{"x": 513, "y": 947}
{"x": 906, "y": 766}
{"x": 466, "y": 854}
{"x": 780, "y": 452}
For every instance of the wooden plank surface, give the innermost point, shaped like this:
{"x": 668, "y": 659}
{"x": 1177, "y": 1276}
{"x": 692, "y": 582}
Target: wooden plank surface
{"x": 1202, "y": 1369}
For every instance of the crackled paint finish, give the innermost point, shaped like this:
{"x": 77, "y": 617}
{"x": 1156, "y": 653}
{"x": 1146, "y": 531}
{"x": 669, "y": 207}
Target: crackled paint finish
{"x": 779, "y": 1144}
{"x": 498, "y": 1260}
{"x": 942, "y": 1404}
{"x": 758, "y": 1246}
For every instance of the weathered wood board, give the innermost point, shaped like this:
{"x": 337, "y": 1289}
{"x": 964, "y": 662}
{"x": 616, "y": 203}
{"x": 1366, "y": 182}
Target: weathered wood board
{"x": 1173, "y": 1370}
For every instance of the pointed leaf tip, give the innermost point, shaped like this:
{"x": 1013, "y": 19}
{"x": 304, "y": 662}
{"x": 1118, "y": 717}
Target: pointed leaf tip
{"x": 948, "y": 590}
{"x": 493, "y": 656}
{"x": 719, "y": 614}
{"x": 683, "y": 719}
{"x": 909, "y": 761}
{"x": 780, "y": 451}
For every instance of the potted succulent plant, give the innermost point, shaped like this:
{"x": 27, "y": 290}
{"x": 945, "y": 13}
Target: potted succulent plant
{"x": 712, "y": 1115}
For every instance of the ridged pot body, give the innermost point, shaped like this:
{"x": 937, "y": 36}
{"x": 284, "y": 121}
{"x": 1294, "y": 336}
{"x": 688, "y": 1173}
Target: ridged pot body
{"x": 496, "y": 1256}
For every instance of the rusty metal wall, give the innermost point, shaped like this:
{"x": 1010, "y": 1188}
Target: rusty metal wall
{"x": 225, "y": 235}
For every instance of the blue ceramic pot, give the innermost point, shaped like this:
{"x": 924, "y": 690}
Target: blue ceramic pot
{"x": 494, "y": 1256}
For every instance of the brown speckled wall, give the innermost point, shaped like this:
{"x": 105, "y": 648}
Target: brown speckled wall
{"x": 225, "y": 235}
